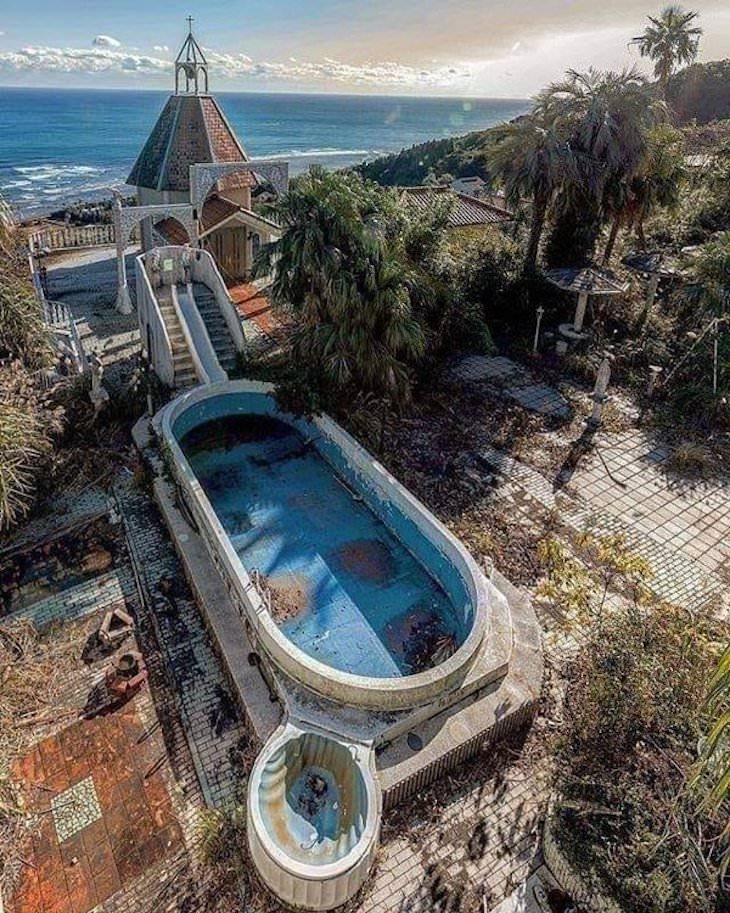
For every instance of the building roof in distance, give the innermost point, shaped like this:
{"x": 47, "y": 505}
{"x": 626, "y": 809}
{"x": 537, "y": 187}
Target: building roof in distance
{"x": 588, "y": 279}
{"x": 191, "y": 130}
{"x": 467, "y": 210}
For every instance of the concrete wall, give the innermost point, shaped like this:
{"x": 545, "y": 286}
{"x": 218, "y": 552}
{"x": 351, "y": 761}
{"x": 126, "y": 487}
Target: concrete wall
{"x": 153, "y": 331}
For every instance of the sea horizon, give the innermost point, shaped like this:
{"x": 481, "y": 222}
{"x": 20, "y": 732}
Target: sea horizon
{"x": 65, "y": 145}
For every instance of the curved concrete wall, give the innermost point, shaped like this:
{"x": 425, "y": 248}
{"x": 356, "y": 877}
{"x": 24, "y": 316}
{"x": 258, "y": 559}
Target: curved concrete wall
{"x": 313, "y": 850}
{"x": 414, "y": 525}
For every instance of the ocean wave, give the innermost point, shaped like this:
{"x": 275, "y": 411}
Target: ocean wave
{"x": 51, "y": 171}
{"x": 316, "y": 153}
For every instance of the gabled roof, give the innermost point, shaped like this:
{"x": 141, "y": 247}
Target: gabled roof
{"x": 191, "y": 130}
{"x": 467, "y": 210}
{"x": 217, "y": 212}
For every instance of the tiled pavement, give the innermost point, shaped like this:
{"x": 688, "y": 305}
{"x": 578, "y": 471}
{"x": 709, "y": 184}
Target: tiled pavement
{"x": 691, "y": 518}
{"x": 515, "y": 382}
{"x": 682, "y": 534}
{"x": 112, "y": 786}
{"x": 481, "y": 844}
{"x": 111, "y": 812}
{"x": 86, "y": 281}
{"x": 208, "y": 711}
{"x": 103, "y": 592}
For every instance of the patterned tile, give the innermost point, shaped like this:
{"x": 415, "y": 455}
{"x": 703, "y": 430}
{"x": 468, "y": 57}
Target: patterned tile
{"x": 75, "y": 808}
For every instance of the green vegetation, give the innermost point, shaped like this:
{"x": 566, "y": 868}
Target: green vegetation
{"x": 532, "y": 160}
{"x": 700, "y": 93}
{"x": 605, "y": 121}
{"x": 626, "y": 814}
{"x": 375, "y": 293}
{"x": 27, "y": 423}
{"x": 670, "y": 41}
{"x": 459, "y": 156}
{"x": 712, "y": 780}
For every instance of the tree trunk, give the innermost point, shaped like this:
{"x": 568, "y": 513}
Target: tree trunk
{"x": 539, "y": 208}
{"x": 640, "y": 234}
{"x": 611, "y": 240}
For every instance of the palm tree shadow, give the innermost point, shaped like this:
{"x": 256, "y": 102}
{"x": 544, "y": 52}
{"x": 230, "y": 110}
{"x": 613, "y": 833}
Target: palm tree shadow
{"x": 578, "y": 449}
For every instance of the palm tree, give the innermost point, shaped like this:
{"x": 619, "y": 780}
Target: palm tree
{"x": 350, "y": 300}
{"x": 657, "y": 183}
{"x": 670, "y": 41}
{"x": 532, "y": 160}
{"x": 607, "y": 118}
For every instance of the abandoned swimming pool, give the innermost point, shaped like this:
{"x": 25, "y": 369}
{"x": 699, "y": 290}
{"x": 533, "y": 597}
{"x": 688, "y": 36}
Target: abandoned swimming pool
{"x": 343, "y": 587}
{"x": 344, "y": 579}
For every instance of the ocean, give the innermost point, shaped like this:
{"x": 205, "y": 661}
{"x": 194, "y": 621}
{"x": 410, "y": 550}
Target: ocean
{"x": 62, "y": 145}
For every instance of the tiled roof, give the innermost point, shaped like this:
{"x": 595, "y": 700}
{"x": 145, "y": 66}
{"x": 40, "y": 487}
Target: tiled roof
{"x": 467, "y": 210}
{"x": 190, "y": 130}
{"x": 587, "y": 279}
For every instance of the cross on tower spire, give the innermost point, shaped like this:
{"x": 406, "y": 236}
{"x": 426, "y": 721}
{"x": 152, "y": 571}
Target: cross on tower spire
{"x": 191, "y": 63}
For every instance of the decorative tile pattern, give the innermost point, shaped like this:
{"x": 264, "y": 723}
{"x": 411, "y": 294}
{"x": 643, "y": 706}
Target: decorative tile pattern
{"x": 75, "y": 808}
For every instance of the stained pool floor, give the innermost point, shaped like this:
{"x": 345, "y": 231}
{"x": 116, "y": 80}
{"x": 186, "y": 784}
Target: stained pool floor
{"x": 344, "y": 589}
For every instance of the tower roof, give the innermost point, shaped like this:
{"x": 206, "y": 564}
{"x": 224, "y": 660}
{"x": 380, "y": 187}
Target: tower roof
{"x": 191, "y": 130}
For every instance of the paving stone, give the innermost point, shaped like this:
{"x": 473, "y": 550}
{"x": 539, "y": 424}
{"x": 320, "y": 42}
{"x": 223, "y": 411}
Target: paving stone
{"x": 482, "y": 367}
{"x": 543, "y": 399}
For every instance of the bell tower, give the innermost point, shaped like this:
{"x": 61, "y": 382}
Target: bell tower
{"x": 191, "y": 64}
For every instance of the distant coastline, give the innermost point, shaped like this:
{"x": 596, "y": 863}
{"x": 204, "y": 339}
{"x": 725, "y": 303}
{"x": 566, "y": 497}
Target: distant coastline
{"x": 67, "y": 145}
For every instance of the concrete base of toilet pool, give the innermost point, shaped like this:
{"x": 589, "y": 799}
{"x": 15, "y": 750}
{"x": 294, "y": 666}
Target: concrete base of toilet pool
{"x": 313, "y": 817}
{"x": 403, "y": 743}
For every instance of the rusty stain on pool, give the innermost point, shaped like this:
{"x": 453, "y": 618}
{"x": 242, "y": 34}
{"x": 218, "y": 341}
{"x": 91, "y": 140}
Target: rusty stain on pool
{"x": 368, "y": 559}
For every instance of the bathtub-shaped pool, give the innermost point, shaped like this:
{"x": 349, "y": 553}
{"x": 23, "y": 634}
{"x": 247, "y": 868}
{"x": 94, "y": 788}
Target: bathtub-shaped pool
{"x": 314, "y": 813}
{"x": 366, "y": 596}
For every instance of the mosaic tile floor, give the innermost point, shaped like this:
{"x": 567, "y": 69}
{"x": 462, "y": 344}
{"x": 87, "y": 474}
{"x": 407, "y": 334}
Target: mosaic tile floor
{"x": 111, "y": 815}
{"x": 75, "y": 808}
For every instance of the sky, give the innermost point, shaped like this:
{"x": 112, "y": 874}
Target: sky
{"x": 491, "y": 48}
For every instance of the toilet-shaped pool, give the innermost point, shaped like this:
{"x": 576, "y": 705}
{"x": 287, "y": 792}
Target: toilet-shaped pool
{"x": 313, "y": 817}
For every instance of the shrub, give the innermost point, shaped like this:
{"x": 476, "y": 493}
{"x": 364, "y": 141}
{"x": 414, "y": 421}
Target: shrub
{"x": 626, "y": 816}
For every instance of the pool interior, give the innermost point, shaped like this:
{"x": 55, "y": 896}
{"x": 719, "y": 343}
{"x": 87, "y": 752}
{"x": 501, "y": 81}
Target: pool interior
{"x": 344, "y": 589}
{"x": 312, "y": 799}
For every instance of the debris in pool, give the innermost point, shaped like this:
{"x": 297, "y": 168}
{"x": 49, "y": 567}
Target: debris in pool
{"x": 289, "y": 597}
{"x": 428, "y": 643}
{"x": 317, "y": 785}
{"x": 367, "y": 559}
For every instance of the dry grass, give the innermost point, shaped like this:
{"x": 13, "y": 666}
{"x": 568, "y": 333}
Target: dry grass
{"x": 688, "y": 458}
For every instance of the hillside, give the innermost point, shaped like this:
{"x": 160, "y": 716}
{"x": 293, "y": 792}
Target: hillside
{"x": 701, "y": 92}
{"x": 459, "y": 156}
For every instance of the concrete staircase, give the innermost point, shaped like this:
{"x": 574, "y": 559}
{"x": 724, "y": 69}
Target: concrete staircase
{"x": 185, "y": 375}
{"x": 216, "y": 326}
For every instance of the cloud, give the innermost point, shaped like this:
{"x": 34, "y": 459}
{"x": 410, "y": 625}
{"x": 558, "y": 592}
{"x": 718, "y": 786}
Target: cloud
{"x": 106, "y": 58}
{"x": 160, "y": 48}
{"x": 106, "y": 41}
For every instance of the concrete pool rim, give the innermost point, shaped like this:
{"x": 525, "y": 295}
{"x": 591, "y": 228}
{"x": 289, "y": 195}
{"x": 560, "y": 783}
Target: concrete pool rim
{"x": 365, "y": 691}
{"x": 358, "y": 854}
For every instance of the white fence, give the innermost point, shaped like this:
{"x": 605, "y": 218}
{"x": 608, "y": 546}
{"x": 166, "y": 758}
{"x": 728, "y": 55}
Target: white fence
{"x": 69, "y": 237}
{"x": 59, "y": 319}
